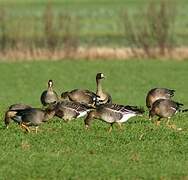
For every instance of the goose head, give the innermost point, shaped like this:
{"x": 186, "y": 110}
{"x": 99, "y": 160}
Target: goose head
{"x": 50, "y": 83}
{"x": 65, "y": 95}
{"x": 8, "y": 115}
{"x": 100, "y": 76}
{"x": 89, "y": 118}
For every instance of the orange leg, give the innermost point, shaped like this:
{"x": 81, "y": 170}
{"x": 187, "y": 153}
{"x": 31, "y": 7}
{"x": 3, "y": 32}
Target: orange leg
{"x": 158, "y": 123}
{"x": 36, "y": 129}
{"x": 25, "y": 127}
{"x": 120, "y": 126}
{"x": 111, "y": 127}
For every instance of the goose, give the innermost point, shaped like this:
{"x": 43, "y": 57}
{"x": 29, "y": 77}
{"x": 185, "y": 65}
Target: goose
{"x": 30, "y": 116}
{"x": 18, "y": 106}
{"x": 104, "y": 97}
{"x": 165, "y": 108}
{"x": 85, "y": 97}
{"x": 112, "y": 113}
{"x": 158, "y": 93}
{"x": 49, "y": 96}
{"x": 68, "y": 110}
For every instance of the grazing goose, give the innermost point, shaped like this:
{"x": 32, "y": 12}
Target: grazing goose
{"x": 69, "y": 110}
{"x": 14, "y": 107}
{"x": 85, "y": 97}
{"x": 165, "y": 108}
{"x": 49, "y": 96}
{"x": 104, "y": 97}
{"x": 30, "y": 116}
{"x": 158, "y": 93}
{"x": 112, "y": 113}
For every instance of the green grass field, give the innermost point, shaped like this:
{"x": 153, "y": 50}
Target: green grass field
{"x": 99, "y": 21}
{"x": 67, "y": 151}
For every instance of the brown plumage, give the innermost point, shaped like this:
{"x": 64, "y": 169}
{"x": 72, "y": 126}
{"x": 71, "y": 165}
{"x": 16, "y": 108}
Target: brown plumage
{"x": 113, "y": 113}
{"x": 29, "y": 116}
{"x": 69, "y": 110}
{"x": 49, "y": 96}
{"x": 18, "y": 106}
{"x": 165, "y": 108}
{"x": 158, "y": 93}
{"x": 89, "y": 98}
{"x": 85, "y": 97}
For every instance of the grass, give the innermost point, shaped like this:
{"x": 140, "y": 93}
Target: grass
{"x": 99, "y": 21}
{"x": 66, "y": 151}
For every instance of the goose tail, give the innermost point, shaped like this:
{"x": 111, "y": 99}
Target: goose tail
{"x": 184, "y": 110}
{"x": 171, "y": 92}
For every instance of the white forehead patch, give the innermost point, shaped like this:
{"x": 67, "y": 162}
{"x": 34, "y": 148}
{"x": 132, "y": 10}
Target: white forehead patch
{"x": 102, "y": 75}
{"x": 50, "y": 83}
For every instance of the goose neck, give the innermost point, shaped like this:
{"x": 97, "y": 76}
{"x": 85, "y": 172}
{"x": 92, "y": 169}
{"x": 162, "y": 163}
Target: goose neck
{"x": 99, "y": 86}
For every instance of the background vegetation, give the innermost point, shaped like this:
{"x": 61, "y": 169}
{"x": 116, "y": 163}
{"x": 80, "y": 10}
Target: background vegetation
{"x": 69, "y": 24}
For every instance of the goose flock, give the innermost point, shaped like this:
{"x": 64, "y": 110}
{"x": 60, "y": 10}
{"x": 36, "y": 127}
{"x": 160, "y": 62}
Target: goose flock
{"x": 79, "y": 103}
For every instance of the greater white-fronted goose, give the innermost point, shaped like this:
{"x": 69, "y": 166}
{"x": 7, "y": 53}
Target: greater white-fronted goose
{"x": 49, "y": 96}
{"x": 17, "y": 106}
{"x": 158, "y": 93}
{"x": 30, "y": 116}
{"x": 104, "y": 97}
{"x": 165, "y": 108}
{"x": 85, "y": 97}
{"x": 68, "y": 110}
{"x": 112, "y": 113}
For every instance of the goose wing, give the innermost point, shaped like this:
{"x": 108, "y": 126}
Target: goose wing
{"x": 125, "y": 109}
{"x": 121, "y": 113}
{"x": 68, "y": 107}
{"x": 21, "y": 113}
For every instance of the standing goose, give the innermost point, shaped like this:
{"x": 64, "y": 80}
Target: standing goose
{"x": 14, "y": 107}
{"x": 30, "y": 116}
{"x": 158, "y": 93}
{"x": 104, "y": 98}
{"x": 165, "y": 108}
{"x": 113, "y": 113}
{"x": 69, "y": 110}
{"x": 49, "y": 96}
{"x": 85, "y": 97}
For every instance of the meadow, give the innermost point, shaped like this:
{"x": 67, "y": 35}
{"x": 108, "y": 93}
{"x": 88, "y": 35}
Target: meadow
{"x": 62, "y": 150}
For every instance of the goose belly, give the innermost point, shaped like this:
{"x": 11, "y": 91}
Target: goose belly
{"x": 108, "y": 118}
{"x": 126, "y": 117}
{"x": 51, "y": 97}
{"x": 68, "y": 116}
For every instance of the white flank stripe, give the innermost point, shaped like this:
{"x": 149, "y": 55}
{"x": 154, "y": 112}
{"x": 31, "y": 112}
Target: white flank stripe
{"x": 173, "y": 108}
{"x": 126, "y": 117}
{"x": 82, "y": 114}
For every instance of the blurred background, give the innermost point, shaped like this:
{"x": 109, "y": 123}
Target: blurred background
{"x": 32, "y": 29}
